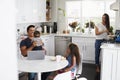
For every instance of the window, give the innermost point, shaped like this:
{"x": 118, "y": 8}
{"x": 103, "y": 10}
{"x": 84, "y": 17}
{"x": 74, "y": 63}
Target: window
{"x": 88, "y": 10}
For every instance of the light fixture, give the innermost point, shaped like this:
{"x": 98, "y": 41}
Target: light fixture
{"x": 114, "y": 6}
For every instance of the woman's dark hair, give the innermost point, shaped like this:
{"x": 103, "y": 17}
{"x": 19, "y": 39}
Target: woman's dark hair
{"x": 36, "y": 33}
{"x": 30, "y": 26}
{"x": 107, "y": 21}
{"x": 75, "y": 52}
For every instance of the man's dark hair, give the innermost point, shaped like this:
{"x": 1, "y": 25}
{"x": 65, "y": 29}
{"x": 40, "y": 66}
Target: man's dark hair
{"x": 30, "y": 26}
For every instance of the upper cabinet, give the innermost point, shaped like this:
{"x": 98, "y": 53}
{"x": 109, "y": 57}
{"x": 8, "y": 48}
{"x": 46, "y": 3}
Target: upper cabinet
{"x": 30, "y": 11}
{"x": 51, "y": 10}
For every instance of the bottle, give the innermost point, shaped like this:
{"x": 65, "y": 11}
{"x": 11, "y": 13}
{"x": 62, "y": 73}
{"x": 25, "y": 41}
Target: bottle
{"x": 50, "y": 30}
{"x": 45, "y": 29}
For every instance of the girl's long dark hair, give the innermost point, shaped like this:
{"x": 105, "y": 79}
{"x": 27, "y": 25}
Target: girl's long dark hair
{"x": 107, "y": 21}
{"x": 75, "y": 52}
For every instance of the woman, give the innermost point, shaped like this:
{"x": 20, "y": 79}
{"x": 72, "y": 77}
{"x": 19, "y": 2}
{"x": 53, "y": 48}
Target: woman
{"x": 101, "y": 31}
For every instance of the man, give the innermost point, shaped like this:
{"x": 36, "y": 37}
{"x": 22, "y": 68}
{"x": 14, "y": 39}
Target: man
{"x": 28, "y": 45}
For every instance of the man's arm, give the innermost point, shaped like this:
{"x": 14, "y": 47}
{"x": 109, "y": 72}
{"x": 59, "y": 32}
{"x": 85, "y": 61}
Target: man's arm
{"x": 24, "y": 49}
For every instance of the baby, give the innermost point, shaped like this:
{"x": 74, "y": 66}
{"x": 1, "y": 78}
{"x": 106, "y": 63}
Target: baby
{"x": 38, "y": 40}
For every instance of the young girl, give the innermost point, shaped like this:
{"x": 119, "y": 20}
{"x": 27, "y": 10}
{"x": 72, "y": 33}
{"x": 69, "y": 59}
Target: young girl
{"x": 73, "y": 57}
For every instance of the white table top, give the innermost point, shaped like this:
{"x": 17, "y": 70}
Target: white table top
{"x": 40, "y": 66}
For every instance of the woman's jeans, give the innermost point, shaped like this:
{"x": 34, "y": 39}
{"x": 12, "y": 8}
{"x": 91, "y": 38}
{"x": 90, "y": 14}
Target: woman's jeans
{"x": 97, "y": 51}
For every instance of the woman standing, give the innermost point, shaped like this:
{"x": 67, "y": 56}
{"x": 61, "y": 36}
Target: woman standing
{"x": 101, "y": 31}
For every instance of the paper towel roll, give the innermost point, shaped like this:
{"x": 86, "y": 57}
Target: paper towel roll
{"x": 45, "y": 29}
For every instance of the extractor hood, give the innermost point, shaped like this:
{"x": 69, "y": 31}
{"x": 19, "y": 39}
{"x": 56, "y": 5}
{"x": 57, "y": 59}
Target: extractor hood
{"x": 115, "y": 6}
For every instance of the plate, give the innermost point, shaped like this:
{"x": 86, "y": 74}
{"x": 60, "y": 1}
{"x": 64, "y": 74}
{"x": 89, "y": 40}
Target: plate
{"x": 53, "y": 58}
{"x": 63, "y": 58}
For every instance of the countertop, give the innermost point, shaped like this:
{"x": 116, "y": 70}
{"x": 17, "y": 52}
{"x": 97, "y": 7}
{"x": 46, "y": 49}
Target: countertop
{"x": 69, "y": 35}
{"x": 111, "y": 46}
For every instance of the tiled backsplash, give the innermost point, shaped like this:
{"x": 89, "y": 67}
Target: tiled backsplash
{"x": 22, "y": 27}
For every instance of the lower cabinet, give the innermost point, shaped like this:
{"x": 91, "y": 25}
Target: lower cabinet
{"x": 86, "y": 48}
{"x": 118, "y": 66}
{"x": 85, "y": 44}
{"x": 110, "y": 64}
{"x": 79, "y": 41}
{"x": 49, "y": 45}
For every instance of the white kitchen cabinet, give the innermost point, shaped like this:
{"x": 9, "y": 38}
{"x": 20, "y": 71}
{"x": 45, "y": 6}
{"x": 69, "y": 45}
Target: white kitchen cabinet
{"x": 89, "y": 49}
{"x": 118, "y": 66}
{"x": 110, "y": 62}
{"x": 79, "y": 41}
{"x": 52, "y": 46}
{"x": 30, "y": 11}
{"x": 49, "y": 45}
{"x": 86, "y": 47}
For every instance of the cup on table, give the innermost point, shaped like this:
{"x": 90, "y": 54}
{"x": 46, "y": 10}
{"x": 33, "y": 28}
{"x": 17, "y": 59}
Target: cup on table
{"x": 58, "y": 58}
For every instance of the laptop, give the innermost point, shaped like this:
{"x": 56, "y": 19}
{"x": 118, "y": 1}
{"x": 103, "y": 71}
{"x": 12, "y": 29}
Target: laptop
{"x": 36, "y": 55}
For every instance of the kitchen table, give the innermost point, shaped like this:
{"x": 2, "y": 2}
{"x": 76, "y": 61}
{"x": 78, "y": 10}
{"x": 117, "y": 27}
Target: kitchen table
{"x": 40, "y": 66}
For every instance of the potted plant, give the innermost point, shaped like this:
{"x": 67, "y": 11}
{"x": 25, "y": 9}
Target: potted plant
{"x": 73, "y": 25}
{"x": 111, "y": 30}
{"x": 63, "y": 11}
{"x": 90, "y": 24}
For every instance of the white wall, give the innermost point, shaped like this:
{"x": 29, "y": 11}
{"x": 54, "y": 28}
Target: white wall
{"x": 117, "y": 24}
{"x": 8, "y": 51}
{"x": 60, "y": 16}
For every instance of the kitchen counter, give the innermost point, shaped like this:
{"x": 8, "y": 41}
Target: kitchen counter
{"x": 69, "y": 35}
{"x": 111, "y": 46}
{"x": 110, "y": 61}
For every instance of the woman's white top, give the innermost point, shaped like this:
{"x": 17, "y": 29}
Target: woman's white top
{"x": 101, "y": 27}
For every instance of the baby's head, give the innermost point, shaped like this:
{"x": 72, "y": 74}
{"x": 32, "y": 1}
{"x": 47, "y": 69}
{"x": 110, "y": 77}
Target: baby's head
{"x": 36, "y": 34}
